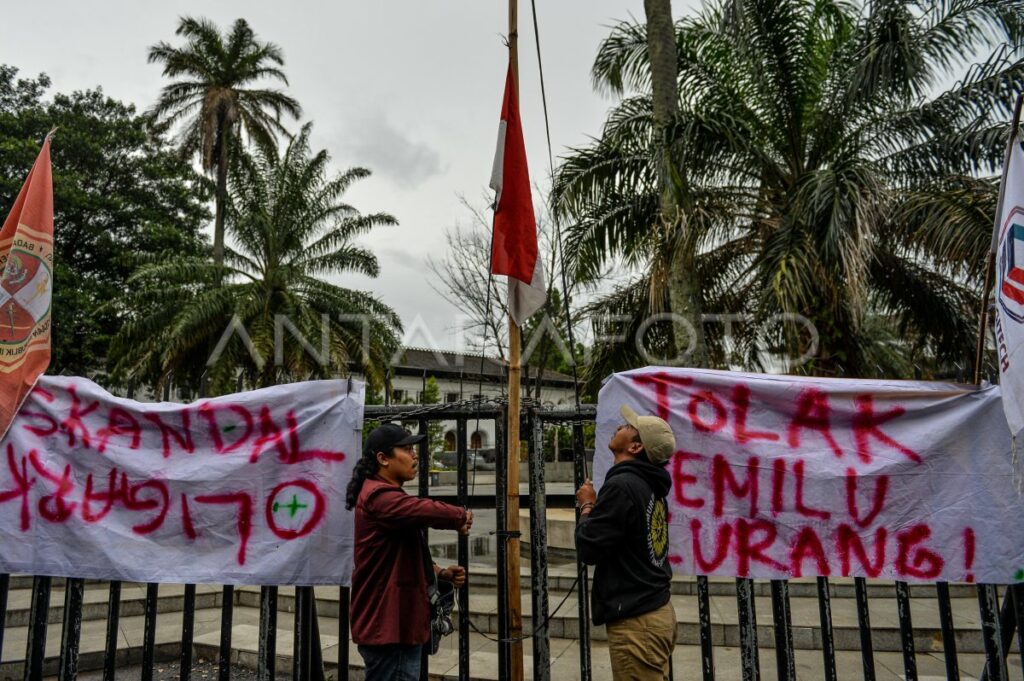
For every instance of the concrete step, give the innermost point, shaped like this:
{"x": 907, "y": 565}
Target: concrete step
{"x": 724, "y": 619}
{"x": 561, "y": 578}
{"x": 565, "y": 665}
{"x": 564, "y": 622}
{"x": 806, "y": 629}
{"x": 171, "y": 598}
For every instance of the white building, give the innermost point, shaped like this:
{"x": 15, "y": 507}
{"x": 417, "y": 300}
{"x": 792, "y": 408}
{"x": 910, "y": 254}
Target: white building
{"x": 459, "y": 377}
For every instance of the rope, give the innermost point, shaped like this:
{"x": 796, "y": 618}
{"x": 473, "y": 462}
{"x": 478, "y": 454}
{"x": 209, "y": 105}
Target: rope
{"x": 554, "y": 214}
{"x": 543, "y": 625}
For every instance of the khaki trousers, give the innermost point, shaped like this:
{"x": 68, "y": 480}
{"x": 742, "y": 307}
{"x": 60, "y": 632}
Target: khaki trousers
{"x": 640, "y": 647}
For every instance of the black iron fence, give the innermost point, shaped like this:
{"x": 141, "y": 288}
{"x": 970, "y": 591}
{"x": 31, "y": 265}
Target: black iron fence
{"x": 1000, "y": 614}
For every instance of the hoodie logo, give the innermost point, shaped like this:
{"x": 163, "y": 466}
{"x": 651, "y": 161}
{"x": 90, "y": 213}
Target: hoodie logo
{"x": 657, "y": 530}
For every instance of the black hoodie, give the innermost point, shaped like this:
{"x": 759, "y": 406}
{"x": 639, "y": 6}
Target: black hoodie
{"x": 626, "y": 537}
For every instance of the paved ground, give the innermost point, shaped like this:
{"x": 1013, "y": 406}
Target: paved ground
{"x": 204, "y": 670}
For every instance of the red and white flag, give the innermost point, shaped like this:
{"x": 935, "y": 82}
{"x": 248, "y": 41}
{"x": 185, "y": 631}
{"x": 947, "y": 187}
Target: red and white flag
{"x": 515, "y": 252}
{"x": 26, "y": 287}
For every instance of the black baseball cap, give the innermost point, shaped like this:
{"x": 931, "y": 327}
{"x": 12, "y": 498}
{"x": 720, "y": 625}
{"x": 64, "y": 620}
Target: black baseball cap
{"x": 383, "y": 438}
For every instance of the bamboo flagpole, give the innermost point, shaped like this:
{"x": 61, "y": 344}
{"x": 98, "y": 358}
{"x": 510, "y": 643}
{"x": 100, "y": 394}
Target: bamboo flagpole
{"x": 514, "y": 253}
{"x": 515, "y": 600}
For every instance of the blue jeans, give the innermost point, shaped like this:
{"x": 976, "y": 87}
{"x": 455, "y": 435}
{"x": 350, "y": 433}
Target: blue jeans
{"x": 393, "y": 662}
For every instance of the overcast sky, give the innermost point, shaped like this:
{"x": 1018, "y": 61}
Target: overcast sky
{"x": 410, "y": 89}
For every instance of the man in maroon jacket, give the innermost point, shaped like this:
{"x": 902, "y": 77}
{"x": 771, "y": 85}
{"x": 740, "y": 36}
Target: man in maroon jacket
{"x": 390, "y": 612}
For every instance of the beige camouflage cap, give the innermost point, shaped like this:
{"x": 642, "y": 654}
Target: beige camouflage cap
{"x": 655, "y": 434}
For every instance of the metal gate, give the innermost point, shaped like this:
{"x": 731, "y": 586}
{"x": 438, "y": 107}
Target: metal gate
{"x": 999, "y": 617}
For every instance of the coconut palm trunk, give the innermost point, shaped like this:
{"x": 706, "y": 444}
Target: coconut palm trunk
{"x": 683, "y": 286}
{"x": 223, "y": 140}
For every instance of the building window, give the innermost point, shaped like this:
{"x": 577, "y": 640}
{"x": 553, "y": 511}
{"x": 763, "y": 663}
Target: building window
{"x": 451, "y": 397}
{"x": 449, "y": 441}
{"x": 478, "y": 440}
{"x": 398, "y": 396}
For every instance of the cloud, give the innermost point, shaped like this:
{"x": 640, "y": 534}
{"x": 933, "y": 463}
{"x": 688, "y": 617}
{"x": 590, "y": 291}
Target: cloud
{"x": 403, "y": 258}
{"x": 388, "y": 150}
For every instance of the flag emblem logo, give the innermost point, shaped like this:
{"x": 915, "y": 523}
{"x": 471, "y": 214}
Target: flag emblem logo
{"x": 1011, "y": 266}
{"x": 24, "y": 296}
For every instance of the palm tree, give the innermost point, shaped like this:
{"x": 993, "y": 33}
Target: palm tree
{"x": 682, "y": 287}
{"x": 291, "y": 227}
{"x": 216, "y": 94}
{"x": 824, "y": 167}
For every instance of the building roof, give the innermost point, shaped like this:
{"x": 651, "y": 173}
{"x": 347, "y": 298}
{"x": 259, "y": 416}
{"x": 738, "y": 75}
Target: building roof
{"x": 447, "y": 364}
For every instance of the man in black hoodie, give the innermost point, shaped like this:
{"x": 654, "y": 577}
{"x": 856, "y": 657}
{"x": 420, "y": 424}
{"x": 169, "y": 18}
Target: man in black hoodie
{"x": 624, "y": 532}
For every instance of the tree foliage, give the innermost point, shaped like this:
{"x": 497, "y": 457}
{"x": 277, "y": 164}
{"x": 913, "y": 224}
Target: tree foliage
{"x": 435, "y": 429}
{"x": 290, "y": 228}
{"x": 120, "y": 195}
{"x": 825, "y": 166}
{"x": 217, "y": 92}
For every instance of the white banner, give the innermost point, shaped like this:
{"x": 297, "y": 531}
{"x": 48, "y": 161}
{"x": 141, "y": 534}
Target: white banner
{"x": 240, "y": 489}
{"x": 1009, "y": 285}
{"x": 777, "y": 476}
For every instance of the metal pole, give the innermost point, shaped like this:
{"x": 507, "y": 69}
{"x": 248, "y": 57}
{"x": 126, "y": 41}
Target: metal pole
{"x": 785, "y": 663}
{"x": 579, "y": 471}
{"x": 501, "y": 500}
{"x": 867, "y": 651}
{"x": 188, "y": 621}
{"x": 424, "y": 491}
{"x": 462, "y": 461}
{"x": 35, "y": 653}
{"x": 992, "y": 634}
{"x": 749, "y": 661}
{"x": 906, "y": 631}
{"x": 707, "y": 645}
{"x": 828, "y": 644}
{"x": 538, "y": 552}
{"x": 71, "y": 634}
{"x": 266, "y": 664}
{"x": 149, "y": 631}
{"x": 113, "y": 622}
{"x": 5, "y": 582}
{"x": 227, "y": 619}
{"x": 948, "y": 632}
{"x": 344, "y": 633}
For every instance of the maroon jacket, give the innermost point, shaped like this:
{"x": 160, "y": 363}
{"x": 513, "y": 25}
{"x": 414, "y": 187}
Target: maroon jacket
{"x": 389, "y": 580}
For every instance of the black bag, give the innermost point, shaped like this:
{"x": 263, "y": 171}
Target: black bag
{"x": 441, "y": 596}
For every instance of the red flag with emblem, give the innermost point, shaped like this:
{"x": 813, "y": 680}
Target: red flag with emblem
{"x": 26, "y": 287}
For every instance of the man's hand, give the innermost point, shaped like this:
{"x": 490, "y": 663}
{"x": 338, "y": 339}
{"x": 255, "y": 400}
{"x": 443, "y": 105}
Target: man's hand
{"x": 464, "y": 529}
{"x": 586, "y": 494}
{"x": 456, "y": 574}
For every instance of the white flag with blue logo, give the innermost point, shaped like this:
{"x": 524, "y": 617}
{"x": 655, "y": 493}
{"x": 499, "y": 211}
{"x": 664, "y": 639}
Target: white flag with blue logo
{"x": 1008, "y": 245}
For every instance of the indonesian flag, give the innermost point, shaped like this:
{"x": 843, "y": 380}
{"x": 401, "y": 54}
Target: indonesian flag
{"x": 26, "y": 286}
{"x": 514, "y": 252}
